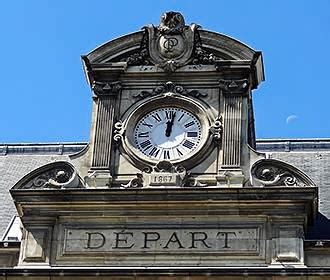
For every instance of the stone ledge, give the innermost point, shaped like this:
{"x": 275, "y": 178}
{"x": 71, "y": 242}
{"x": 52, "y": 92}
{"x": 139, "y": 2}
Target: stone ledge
{"x": 170, "y": 272}
{"x": 41, "y": 148}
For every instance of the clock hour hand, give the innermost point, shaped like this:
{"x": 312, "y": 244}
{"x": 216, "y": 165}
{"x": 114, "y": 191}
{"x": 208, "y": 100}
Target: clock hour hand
{"x": 169, "y": 125}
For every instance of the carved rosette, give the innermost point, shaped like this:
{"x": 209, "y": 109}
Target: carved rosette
{"x": 56, "y": 175}
{"x": 271, "y": 172}
{"x": 169, "y": 88}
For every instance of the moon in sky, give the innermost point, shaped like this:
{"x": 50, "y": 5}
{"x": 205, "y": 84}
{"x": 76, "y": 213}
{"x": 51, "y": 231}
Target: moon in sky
{"x": 291, "y": 119}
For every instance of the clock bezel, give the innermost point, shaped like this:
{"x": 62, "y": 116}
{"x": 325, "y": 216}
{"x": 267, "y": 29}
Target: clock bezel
{"x": 143, "y": 108}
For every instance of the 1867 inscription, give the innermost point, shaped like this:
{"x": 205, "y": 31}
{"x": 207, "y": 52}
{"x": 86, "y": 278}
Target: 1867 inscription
{"x": 162, "y": 240}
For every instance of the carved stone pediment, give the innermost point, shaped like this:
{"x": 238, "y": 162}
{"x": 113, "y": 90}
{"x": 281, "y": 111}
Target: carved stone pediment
{"x": 271, "y": 172}
{"x": 171, "y": 45}
{"x": 55, "y": 175}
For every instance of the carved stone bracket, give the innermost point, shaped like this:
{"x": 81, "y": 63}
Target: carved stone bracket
{"x": 119, "y": 131}
{"x": 56, "y": 175}
{"x": 169, "y": 88}
{"x": 134, "y": 183}
{"x": 216, "y": 129}
{"x": 271, "y": 172}
{"x": 191, "y": 182}
{"x": 102, "y": 89}
{"x": 234, "y": 86}
{"x": 163, "y": 174}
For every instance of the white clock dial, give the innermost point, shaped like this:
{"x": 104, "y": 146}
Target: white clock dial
{"x": 168, "y": 133}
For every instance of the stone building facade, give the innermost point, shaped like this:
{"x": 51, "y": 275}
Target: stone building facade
{"x": 172, "y": 184}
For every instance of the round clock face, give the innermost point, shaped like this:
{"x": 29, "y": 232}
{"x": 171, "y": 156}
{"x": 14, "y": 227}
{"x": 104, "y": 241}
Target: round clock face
{"x": 168, "y": 133}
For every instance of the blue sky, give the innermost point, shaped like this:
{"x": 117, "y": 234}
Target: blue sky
{"x": 45, "y": 97}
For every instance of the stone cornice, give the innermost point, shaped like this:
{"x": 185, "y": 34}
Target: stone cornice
{"x": 218, "y": 201}
{"x": 271, "y": 145}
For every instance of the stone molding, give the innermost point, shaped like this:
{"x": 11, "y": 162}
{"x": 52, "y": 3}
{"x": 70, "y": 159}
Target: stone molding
{"x": 106, "y": 89}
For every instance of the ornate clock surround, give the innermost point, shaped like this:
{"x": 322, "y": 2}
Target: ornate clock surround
{"x": 125, "y": 128}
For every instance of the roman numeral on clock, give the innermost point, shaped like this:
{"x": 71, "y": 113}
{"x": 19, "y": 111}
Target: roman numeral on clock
{"x": 181, "y": 117}
{"x": 192, "y": 134}
{"x": 156, "y": 117}
{"x": 145, "y": 145}
{"x": 143, "y": 134}
{"x": 147, "y": 124}
{"x": 169, "y": 114}
{"x": 188, "y": 144}
{"x": 179, "y": 152}
{"x": 189, "y": 124}
{"x": 154, "y": 152}
{"x": 166, "y": 154}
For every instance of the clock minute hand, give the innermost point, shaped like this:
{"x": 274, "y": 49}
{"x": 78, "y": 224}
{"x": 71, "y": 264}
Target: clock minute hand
{"x": 169, "y": 126}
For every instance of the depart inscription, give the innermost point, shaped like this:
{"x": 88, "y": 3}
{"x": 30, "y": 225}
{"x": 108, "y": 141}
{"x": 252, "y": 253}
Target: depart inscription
{"x": 161, "y": 240}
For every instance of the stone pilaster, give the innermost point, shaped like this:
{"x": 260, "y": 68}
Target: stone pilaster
{"x": 233, "y": 91}
{"x": 104, "y": 130}
{"x": 232, "y": 132}
{"x": 106, "y": 99}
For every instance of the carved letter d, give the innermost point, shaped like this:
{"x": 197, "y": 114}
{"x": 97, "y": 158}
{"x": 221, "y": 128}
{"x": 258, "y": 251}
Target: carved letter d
{"x": 101, "y": 239}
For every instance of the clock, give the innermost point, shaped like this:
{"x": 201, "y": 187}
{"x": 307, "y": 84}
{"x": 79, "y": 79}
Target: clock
{"x": 168, "y": 133}
{"x": 166, "y": 128}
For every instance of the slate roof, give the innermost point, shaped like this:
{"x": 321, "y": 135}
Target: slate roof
{"x": 16, "y": 160}
{"x": 310, "y": 155}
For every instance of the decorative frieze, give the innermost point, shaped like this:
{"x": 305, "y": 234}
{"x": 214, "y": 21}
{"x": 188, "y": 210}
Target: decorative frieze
{"x": 170, "y": 87}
